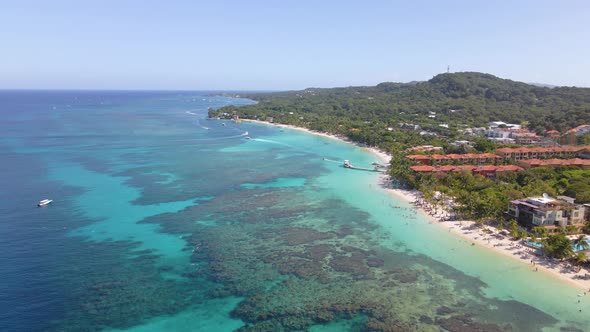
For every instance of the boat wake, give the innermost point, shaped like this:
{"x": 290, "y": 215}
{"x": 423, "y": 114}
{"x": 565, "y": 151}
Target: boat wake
{"x": 270, "y": 141}
{"x": 198, "y": 122}
{"x": 333, "y": 161}
{"x": 234, "y": 136}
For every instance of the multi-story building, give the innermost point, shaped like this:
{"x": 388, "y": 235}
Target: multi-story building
{"x": 490, "y": 171}
{"x": 455, "y": 159}
{"x": 540, "y": 153}
{"x": 512, "y": 135}
{"x": 551, "y": 213}
{"x": 554, "y": 162}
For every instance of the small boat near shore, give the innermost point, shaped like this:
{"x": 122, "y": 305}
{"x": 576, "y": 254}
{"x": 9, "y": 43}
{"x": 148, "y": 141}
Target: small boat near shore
{"x": 44, "y": 202}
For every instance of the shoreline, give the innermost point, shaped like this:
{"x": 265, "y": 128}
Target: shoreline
{"x": 383, "y": 156}
{"x": 494, "y": 241}
{"x": 465, "y": 229}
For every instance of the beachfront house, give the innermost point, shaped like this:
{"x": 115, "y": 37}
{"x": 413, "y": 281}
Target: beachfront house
{"x": 548, "y": 212}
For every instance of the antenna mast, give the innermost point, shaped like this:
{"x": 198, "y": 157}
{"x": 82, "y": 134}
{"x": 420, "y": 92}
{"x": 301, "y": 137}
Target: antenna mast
{"x": 448, "y": 69}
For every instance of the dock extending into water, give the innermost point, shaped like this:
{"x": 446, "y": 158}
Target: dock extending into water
{"x": 364, "y": 169}
{"x": 347, "y": 164}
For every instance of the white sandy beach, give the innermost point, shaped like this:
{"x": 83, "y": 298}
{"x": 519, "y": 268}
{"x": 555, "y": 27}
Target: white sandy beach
{"x": 469, "y": 230}
{"x": 384, "y": 158}
{"x": 493, "y": 240}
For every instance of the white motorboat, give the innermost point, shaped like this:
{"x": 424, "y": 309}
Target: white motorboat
{"x": 44, "y": 202}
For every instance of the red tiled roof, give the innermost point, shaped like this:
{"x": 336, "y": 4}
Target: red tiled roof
{"x": 544, "y": 150}
{"x": 504, "y": 150}
{"x": 454, "y": 156}
{"x": 450, "y": 168}
{"x": 533, "y": 162}
{"x": 418, "y": 157}
{"x": 447, "y": 168}
{"x": 439, "y": 156}
{"x": 466, "y": 167}
{"x": 579, "y": 162}
{"x": 423, "y": 168}
{"x": 489, "y": 155}
{"x": 556, "y": 162}
{"x": 486, "y": 168}
{"x": 574, "y": 130}
{"x": 509, "y": 168}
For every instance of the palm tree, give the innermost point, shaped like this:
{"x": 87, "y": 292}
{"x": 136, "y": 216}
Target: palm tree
{"x": 558, "y": 246}
{"x": 571, "y": 229}
{"x": 581, "y": 243}
{"x": 513, "y": 228}
{"x": 540, "y": 231}
{"x": 579, "y": 258}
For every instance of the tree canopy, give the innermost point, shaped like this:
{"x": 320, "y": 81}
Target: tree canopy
{"x": 457, "y": 100}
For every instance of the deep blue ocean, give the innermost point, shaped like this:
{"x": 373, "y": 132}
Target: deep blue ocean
{"x": 164, "y": 220}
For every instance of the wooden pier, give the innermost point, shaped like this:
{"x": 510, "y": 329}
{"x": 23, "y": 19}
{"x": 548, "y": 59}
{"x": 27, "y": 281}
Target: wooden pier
{"x": 347, "y": 164}
{"x": 365, "y": 169}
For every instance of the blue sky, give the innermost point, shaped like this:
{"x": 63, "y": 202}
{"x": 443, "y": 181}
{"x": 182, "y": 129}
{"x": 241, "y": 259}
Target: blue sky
{"x": 275, "y": 45}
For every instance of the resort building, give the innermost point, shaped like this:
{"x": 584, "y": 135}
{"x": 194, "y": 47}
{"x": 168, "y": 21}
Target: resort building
{"x": 512, "y": 135}
{"x": 455, "y": 159}
{"x": 540, "y": 152}
{"x": 525, "y": 137}
{"x": 484, "y": 170}
{"x": 551, "y": 213}
{"x": 582, "y": 163}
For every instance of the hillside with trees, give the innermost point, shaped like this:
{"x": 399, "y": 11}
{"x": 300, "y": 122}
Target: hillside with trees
{"x": 460, "y": 100}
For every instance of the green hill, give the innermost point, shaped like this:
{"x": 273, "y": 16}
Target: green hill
{"x": 458, "y": 99}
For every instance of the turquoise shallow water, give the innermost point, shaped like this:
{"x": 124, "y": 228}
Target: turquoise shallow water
{"x": 164, "y": 220}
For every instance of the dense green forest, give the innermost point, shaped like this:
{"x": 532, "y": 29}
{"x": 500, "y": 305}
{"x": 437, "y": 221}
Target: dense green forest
{"x": 458, "y": 99}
